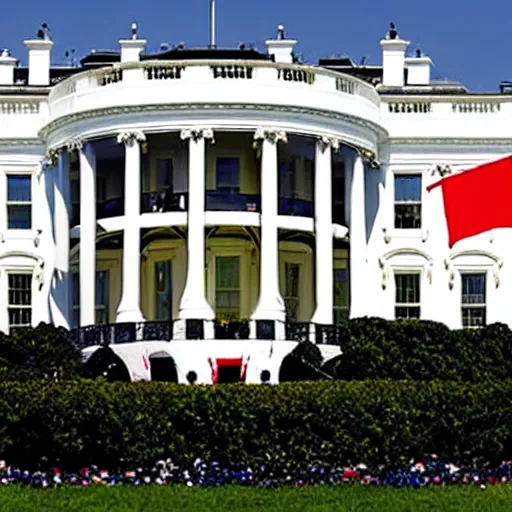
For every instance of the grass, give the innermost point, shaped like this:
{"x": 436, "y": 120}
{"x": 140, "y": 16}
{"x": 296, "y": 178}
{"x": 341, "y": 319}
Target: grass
{"x": 234, "y": 499}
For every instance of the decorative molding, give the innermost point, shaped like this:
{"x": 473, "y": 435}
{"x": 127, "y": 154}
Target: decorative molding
{"x": 449, "y": 141}
{"x": 387, "y": 236}
{"x": 20, "y": 142}
{"x": 197, "y": 134}
{"x": 39, "y": 272}
{"x": 272, "y": 135}
{"x": 75, "y": 144}
{"x": 131, "y": 138}
{"x": 37, "y": 237}
{"x": 441, "y": 170}
{"x": 375, "y": 128}
{"x": 495, "y": 266}
{"x": 384, "y": 263}
{"x": 326, "y": 141}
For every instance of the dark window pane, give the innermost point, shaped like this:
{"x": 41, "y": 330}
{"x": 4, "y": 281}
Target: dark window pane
{"x": 19, "y": 188}
{"x": 19, "y": 216}
{"x": 407, "y": 216}
{"x": 407, "y": 312}
{"x": 407, "y": 288}
{"x": 341, "y": 290}
{"x": 165, "y": 173}
{"x": 228, "y": 173}
{"x": 408, "y": 188}
{"x": 473, "y": 288}
{"x": 473, "y": 317}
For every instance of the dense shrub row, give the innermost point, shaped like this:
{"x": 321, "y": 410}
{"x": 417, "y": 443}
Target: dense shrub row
{"x": 389, "y": 422}
{"x": 374, "y": 348}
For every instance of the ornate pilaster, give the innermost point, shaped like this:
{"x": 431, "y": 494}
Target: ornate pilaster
{"x": 195, "y": 313}
{"x": 269, "y": 315}
{"x": 129, "y": 306}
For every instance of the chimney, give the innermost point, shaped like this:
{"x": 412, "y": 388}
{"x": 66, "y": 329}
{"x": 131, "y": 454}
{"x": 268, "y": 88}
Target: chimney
{"x": 281, "y": 48}
{"x": 132, "y": 48}
{"x": 418, "y": 69}
{"x": 7, "y": 65}
{"x": 393, "y": 59}
{"x": 39, "y": 61}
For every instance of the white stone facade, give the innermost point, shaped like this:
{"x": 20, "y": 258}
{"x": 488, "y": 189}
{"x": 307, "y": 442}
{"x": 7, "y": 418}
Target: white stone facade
{"x": 238, "y": 187}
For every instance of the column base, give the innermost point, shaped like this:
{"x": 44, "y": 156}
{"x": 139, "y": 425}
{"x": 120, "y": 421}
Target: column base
{"x": 129, "y": 315}
{"x": 193, "y": 329}
{"x": 267, "y": 330}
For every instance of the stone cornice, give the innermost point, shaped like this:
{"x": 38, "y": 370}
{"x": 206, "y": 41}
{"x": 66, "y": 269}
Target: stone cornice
{"x": 20, "y": 142}
{"x": 448, "y": 141}
{"x": 183, "y": 107}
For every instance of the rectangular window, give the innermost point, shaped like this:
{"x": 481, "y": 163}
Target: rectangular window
{"x": 75, "y": 201}
{"x": 407, "y": 201}
{"x": 407, "y": 296}
{"x": 102, "y": 294}
{"x": 291, "y": 291}
{"x": 473, "y": 300}
{"x": 19, "y": 201}
{"x": 165, "y": 173}
{"x": 163, "y": 291}
{"x": 341, "y": 294}
{"x": 227, "y": 173}
{"x": 227, "y": 287}
{"x": 20, "y": 300}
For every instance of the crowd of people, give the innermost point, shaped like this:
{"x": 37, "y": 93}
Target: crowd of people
{"x": 429, "y": 472}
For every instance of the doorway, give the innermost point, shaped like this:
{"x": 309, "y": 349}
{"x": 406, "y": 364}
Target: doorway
{"x": 163, "y": 291}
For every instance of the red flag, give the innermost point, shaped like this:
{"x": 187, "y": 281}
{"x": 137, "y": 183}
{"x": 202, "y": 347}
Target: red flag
{"x": 477, "y": 200}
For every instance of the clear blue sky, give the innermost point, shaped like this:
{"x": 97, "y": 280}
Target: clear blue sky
{"x": 468, "y": 40}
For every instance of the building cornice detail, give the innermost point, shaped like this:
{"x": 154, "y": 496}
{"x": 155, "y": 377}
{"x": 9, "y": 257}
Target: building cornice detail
{"x": 182, "y": 107}
{"x": 418, "y": 141}
{"x": 441, "y": 170}
{"x": 384, "y": 262}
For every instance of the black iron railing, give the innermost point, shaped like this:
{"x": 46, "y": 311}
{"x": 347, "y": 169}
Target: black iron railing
{"x": 164, "y": 201}
{"x": 226, "y": 200}
{"x": 231, "y": 330}
{"x": 108, "y": 334}
{"x": 297, "y": 331}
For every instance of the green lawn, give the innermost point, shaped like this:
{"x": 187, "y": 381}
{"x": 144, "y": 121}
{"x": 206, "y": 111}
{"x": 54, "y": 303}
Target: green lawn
{"x": 234, "y": 499}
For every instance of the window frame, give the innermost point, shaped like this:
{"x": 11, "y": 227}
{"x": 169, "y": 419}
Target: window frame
{"x": 420, "y": 203}
{"x": 467, "y": 306}
{"x": 407, "y": 272}
{"x": 228, "y": 311}
{"x": 19, "y": 172}
{"x": 340, "y": 264}
{"x": 19, "y": 271}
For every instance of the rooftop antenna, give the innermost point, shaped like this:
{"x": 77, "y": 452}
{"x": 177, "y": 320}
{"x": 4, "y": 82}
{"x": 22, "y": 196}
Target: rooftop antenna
{"x": 212, "y": 24}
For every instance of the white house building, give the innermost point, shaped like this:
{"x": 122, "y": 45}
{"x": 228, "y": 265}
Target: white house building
{"x": 217, "y": 206}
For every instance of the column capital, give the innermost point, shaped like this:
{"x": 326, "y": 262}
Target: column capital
{"x": 272, "y": 135}
{"x": 131, "y": 138}
{"x": 326, "y": 141}
{"x": 368, "y": 157}
{"x": 75, "y": 144}
{"x": 197, "y": 134}
{"x": 51, "y": 157}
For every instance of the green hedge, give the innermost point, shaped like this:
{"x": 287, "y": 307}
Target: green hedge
{"x": 374, "y": 348}
{"x": 81, "y": 422}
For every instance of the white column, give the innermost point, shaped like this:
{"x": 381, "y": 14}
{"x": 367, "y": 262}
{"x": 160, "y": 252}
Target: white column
{"x": 62, "y": 279}
{"x": 87, "y": 265}
{"x": 357, "y": 234}
{"x": 323, "y": 230}
{"x": 270, "y": 304}
{"x": 129, "y": 306}
{"x": 193, "y": 303}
